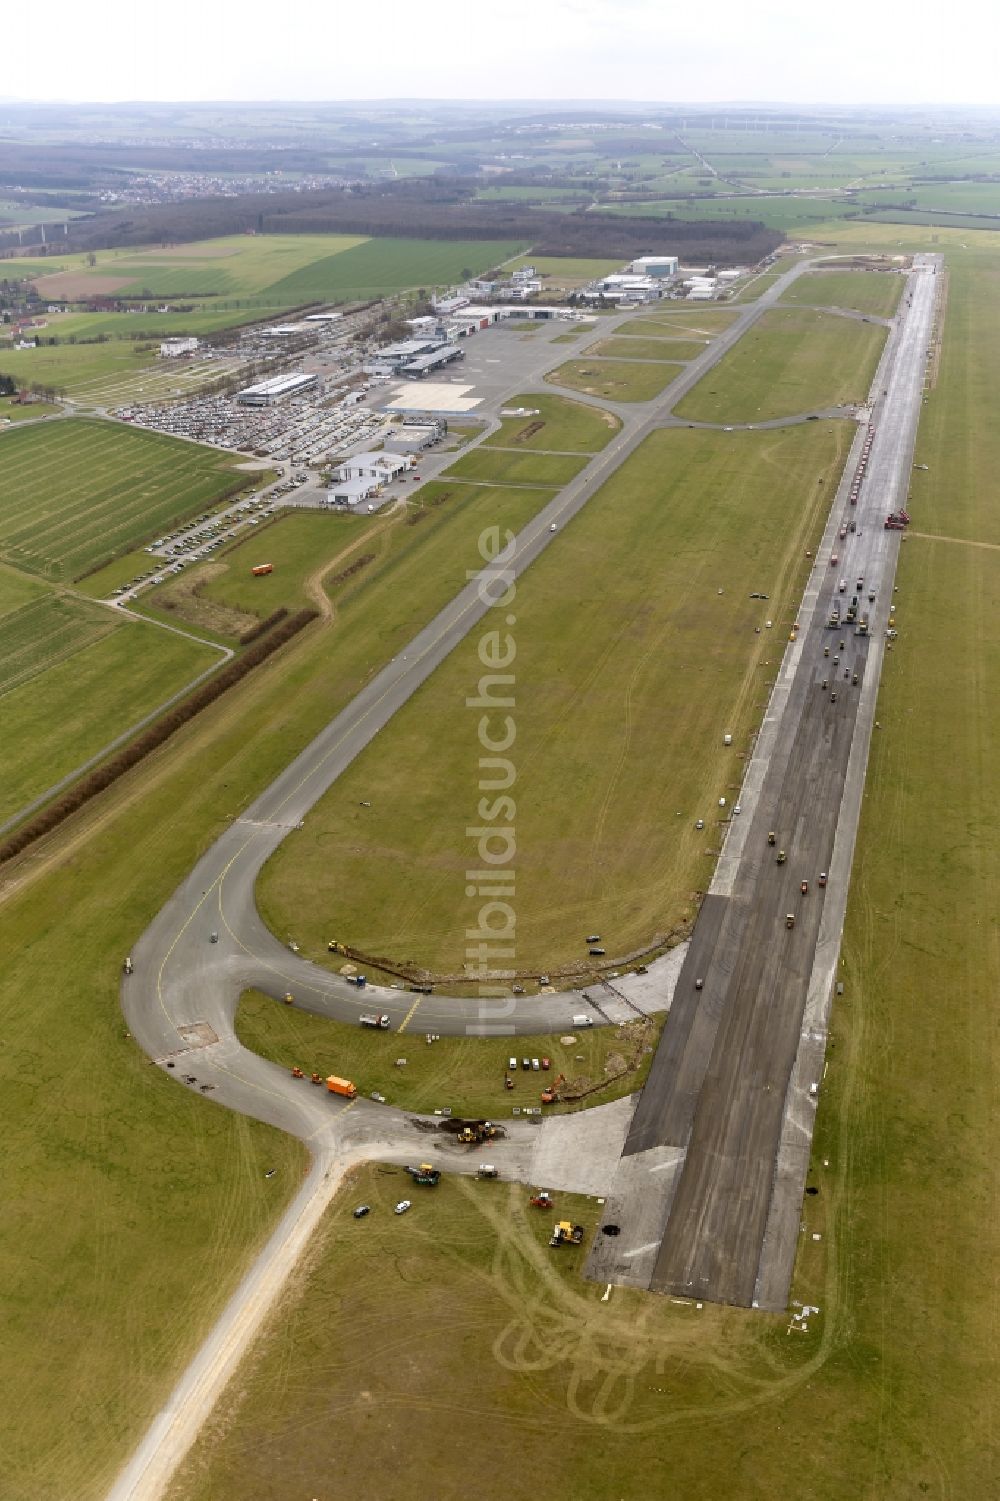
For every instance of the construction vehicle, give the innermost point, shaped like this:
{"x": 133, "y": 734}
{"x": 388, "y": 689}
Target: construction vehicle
{"x": 375, "y": 1019}
{"x": 127, "y": 966}
{"x": 789, "y": 919}
{"x": 861, "y": 629}
{"x": 822, "y": 878}
{"x": 508, "y": 1082}
{"x": 342, "y": 1087}
{"x": 315, "y": 1078}
{"x": 566, "y": 1234}
{"x": 804, "y": 888}
{"x": 551, "y": 1091}
{"x": 477, "y": 1131}
{"x": 261, "y": 569}
{"x": 288, "y": 998}
{"x": 781, "y": 857}
{"x": 297, "y": 1073}
{"x": 699, "y": 983}
{"x": 359, "y": 980}
{"x": 426, "y": 1174}
{"x": 335, "y": 947}
{"x": 541, "y": 1200}
{"x": 771, "y": 838}
{"x": 487, "y": 1170}
{"x": 854, "y": 680}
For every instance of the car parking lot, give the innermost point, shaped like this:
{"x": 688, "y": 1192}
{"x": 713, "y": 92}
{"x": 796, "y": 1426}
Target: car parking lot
{"x": 298, "y": 431}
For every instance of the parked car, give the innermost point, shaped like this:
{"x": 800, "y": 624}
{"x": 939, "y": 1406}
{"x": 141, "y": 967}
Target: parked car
{"x": 362, "y": 1210}
{"x": 402, "y": 1206}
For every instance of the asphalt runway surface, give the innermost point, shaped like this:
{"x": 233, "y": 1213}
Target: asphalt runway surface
{"x": 717, "y": 1095}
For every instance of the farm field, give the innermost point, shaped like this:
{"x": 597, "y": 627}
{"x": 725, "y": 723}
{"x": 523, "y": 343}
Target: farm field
{"x": 620, "y": 710}
{"x": 777, "y": 212}
{"x": 18, "y": 589}
{"x": 465, "y": 1073}
{"x": 79, "y": 698}
{"x": 504, "y": 466}
{"x": 47, "y": 630}
{"x": 560, "y": 425}
{"x": 875, "y": 292}
{"x": 565, "y": 271}
{"x": 617, "y": 380}
{"x": 630, "y": 347}
{"x": 107, "y": 374}
{"x": 792, "y": 360}
{"x": 387, "y": 265}
{"x": 76, "y": 492}
{"x": 146, "y": 1214}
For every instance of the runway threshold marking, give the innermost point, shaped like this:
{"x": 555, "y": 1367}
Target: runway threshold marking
{"x": 406, "y": 1019}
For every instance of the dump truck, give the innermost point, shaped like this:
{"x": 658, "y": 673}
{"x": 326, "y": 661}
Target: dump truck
{"x": 374, "y": 1019}
{"x": 426, "y": 1173}
{"x": 789, "y": 919}
{"x": 487, "y": 1170}
{"x": 261, "y": 569}
{"x": 342, "y": 1087}
{"x": 566, "y": 1234}
{"x": 127, "y": 966}
{"x": 781, "y": 857}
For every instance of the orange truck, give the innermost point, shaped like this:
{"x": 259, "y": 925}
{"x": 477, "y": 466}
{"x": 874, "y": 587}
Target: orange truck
{"x": 342, "y": 1086}
{"x": 261, "y": 569}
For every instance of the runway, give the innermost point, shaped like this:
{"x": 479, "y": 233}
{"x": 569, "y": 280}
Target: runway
{"x": 741, "y": 1057}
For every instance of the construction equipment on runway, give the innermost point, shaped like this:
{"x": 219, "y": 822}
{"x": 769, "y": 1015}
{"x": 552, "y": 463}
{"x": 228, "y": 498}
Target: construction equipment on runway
{"x": 473, "y": 1132}
{"x": 127, "y": 966}
{"x": 426, "y": 1174}
{"x": 566, "y": 1234}
{"x": 861, "y": 629}
{"x": 288, "y": 998}
{"x": 487, "y": 1170}
{"x": 550, "y": 1093}
{"x": 771, "y": 837}
{"x": 789, "y": 919}
{"x": 781, "y": 857}
{"x": 297, "y": 1073}
{"x": 852, "y": 611}
{"x": 822, "y": 878}
{"x": 342, "y": 1087}
{"x": 804, "y": 888}
{"x": 315, "y": 1078}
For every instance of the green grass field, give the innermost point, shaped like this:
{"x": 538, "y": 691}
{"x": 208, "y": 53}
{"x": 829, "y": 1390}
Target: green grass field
{"x": 565, "y": 271}
{"x": 78, "y": 699}
{"x": 614, "y": 379}
{"x": 516, "y": 467}
{"x": 875, "y": 292}
{"x": 667, "y": 322}
{"x": 621, "y": 710}
{"x": 78, "y": 492}
{"x": 15, "y": 412}
{"x": 465, "y": 1073}
{"x": 47, "y": 630}
{"x": 633, "y": 348}
{"x": 18, "y": 590}
{"x": 792, "y": 360}
{"x": 561, "y": 426}
{"x": 381, "y": 266}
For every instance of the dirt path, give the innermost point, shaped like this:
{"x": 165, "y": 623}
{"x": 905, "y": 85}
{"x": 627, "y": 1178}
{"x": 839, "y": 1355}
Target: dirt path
{"x": 313, "y": 584}
{"x": 957, "y": 541}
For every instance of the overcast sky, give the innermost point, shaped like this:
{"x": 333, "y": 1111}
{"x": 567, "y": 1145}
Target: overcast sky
{"x": 780, "y": 50}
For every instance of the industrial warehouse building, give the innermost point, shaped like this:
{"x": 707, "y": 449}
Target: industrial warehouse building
{"x": 170, "y": 348}
{"x": 655, "y": 265}
{"x": 267, "y": 393}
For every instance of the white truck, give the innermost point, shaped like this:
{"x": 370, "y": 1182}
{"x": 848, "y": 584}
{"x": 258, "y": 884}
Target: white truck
{"x": 375, "y": 1019}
